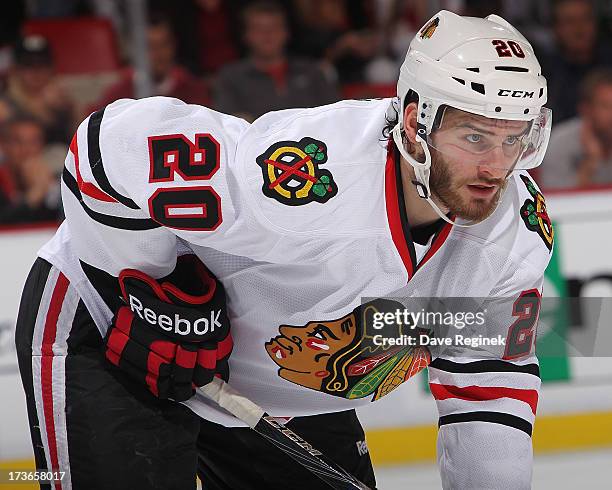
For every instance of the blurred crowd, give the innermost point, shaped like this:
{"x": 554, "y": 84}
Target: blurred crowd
{"x": 62, "y": 59}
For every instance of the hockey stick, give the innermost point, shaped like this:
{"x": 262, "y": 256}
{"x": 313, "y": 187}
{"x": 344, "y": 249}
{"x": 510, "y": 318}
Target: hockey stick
{"x": 279, "y": 435}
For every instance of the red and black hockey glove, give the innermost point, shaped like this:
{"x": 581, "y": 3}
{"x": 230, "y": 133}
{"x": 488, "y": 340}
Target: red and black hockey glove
{"x": 171, "y": 337}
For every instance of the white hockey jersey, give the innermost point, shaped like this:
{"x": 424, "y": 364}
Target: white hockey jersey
{"x": 301, "y": 215}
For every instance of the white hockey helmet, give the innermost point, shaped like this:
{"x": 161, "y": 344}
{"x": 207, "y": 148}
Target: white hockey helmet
{"x": 481, "y": 66}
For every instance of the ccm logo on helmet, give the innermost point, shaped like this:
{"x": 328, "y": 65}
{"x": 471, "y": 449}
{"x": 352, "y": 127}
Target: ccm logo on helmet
{"x": 523, "y": 94}
{"x": 178, "y": 325}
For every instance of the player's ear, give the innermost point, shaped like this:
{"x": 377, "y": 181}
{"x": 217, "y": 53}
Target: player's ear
{"x": 410, "y": 122}
{"x": 410, "y": 131}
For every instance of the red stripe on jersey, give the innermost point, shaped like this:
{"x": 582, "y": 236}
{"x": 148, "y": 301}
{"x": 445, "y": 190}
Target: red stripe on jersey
{"x": 55, "y": 307}
{"x": 483, "y": 393}
{"x": 46, "y": 374}
{"x": 393, "y": 214}
{"x": 86, "y": 188}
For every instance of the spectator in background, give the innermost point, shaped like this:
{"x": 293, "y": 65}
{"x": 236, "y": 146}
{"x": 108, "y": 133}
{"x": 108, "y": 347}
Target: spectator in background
{"x": 214, "y": 34}
{"x": 341, "y": 32}
{"x": 267, "y": 79}
{"x": 169, "y": 78}
{"x": 13, "y": 14}
{"x": 29, "y": 191}
{"x": 206, "y": 30}
{"x": 34, "y": 90}
{"x": 532, "y": 19}
{"x": 580, "y": 149}
{"x": 578, "y": 51}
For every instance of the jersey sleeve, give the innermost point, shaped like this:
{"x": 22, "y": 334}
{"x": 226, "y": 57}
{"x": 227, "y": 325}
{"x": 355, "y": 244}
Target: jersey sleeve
{"x": 487, "y": 396}
{"x": 142, "y": 176}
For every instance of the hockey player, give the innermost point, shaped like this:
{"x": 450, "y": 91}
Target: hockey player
{"x": 298, "y": 216}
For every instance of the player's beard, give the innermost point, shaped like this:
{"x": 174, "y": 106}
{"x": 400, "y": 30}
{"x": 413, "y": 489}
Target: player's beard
{"x": 449, "y": 192}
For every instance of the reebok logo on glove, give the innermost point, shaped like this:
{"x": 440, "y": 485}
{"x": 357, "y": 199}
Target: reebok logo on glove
{"x": 171, "y": 334}
{"x": 178, "y": 325}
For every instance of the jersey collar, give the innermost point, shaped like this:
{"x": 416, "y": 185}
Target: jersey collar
{"x": 398, "y": 219}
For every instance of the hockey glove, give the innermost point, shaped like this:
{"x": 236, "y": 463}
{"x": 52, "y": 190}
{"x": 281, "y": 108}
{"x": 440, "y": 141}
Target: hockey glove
{"x": 170, "y": 339}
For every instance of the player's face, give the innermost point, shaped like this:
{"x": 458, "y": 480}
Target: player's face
{"x": 302, "y": 352}
{"x": 471, "y": 157}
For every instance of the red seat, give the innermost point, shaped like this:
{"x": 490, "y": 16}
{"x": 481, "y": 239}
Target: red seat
{"x": 79, "y": 45}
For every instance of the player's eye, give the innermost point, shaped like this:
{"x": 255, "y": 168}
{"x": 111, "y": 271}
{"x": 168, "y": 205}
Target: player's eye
{"x": 474, "y": 138}
{"x": 512, "y": 140}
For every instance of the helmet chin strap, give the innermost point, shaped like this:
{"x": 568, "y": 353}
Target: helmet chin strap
{"x": 422, "y": 171}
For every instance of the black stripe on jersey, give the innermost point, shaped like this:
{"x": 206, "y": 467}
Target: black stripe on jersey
{"x": 83, "y": 333}
{"x": 105, "y": 284}
{"x": 402, "y": 208}
{"x": 491, "y": 417}
{"x": 24, "y": 333}
{"x": 485, "y": 366}
{"x": 133, "y": 224}
{"x": 95, "y": 160}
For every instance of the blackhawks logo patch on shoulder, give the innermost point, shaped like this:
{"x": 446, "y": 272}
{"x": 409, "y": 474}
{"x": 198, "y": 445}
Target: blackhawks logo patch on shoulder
{"x": 291, "y": 173}
{"x": 534, "y": 214}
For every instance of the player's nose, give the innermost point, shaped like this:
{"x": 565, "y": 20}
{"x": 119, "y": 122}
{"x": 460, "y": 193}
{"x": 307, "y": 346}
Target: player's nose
{"x": 487, "y": 171}
{"x": 493, "y": 165}
{"x": 494, "y": 161}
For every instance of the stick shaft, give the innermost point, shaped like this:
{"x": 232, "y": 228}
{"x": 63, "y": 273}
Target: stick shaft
{"x": 282, "y": 437}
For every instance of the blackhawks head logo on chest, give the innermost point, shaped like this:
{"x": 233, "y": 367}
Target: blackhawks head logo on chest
{"x": 340, "y": 357}
{"x": 292, "y": 174}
